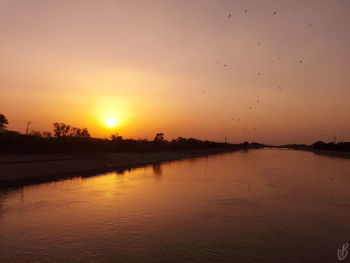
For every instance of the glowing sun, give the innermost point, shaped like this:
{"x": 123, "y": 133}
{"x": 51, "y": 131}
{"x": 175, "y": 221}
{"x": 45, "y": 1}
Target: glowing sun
{"x": 111, "y": 121}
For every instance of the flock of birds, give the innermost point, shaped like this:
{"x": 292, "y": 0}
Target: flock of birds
{"x": 259, "y": 73}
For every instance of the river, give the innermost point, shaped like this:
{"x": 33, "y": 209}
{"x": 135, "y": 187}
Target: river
{"x": 267, "y": 205}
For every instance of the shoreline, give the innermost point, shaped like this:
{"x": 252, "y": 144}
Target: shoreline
{"x": 329, "y": 153}
{"x": 18, "y": 170}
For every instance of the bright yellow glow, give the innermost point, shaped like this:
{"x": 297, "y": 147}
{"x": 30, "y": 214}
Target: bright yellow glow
{"x": 110, "y": 113}
{"x": 111, "y": 121}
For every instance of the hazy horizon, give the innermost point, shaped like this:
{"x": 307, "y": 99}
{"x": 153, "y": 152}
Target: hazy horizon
{"x": 159, "y": 66}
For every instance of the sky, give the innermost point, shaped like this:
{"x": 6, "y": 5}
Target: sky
{"x": 159, "y": 66}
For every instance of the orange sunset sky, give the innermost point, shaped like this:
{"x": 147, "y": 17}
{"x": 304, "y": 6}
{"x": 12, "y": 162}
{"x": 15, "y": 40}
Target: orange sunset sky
{"x": 159, "y": 66}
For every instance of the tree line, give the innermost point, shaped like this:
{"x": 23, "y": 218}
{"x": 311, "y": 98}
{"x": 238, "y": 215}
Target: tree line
{"x": 67, "y": 138}
{"x": 340, "y": 146}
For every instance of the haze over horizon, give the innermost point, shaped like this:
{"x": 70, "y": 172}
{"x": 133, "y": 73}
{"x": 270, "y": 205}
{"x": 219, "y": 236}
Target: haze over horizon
{"x": 203, "y": 69}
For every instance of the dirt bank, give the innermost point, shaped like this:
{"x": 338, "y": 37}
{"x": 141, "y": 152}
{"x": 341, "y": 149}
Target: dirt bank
{"x": 26, "y": 169}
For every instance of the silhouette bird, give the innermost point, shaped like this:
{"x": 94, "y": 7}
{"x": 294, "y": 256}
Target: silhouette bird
{"x": 310, "y": 25}
{"x": 259, "y": 73}
{"x": 246, "y": 11}
{"x": 300, "y": 61}
{"x": 217, "y": 62}
{"x": 203, "y": 91}
{"x": 257, "y": 101}
{"x": 250, "y": 107}
{"x": 279, "y": 58}
{"x": 259, "y": 43}
{"x": 229, "y": 16}
{"x": 225, "y": 65}
{"x": 274, "y": 13}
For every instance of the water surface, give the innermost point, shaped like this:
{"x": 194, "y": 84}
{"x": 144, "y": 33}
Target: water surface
{"x": 251, "y": 206}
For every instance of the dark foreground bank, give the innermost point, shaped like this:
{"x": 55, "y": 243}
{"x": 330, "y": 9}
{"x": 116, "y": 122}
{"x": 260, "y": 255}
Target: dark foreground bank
{"x": 27, "y": 169}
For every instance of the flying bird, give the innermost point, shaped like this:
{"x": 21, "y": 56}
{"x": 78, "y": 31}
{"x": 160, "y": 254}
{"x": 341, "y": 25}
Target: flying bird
{"x": 300, "y": 61}
{"x": 229, "y": 16}
{"x": 250, "y": 107}
{"x": 259, "y": 73}
{"x": 274, "y": 13}
{"x": 225, "y": 65}
{"x": 246, "y": 10}
{"x": 257, "y": 101}
{"x": 259, "y": 43}
{"x": 310, "y": 25}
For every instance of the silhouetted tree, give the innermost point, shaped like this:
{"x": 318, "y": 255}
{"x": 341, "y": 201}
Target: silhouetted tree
{"x": 159, "y": 143}
{"x": 3, "y": 122}
{"x": 64, "y": 130}
{"x": 116, "y": 137}
{"x": 84, "y": 133}
{"x": 245, "y": 144}
{"x": 78, "y": 133}
{"x": 319, "y": 145}
{"x": 159, "y": 137}
{"x": 61, "y": 129}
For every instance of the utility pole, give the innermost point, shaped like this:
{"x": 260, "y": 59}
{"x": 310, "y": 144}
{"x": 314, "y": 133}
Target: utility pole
{"x": 28, "y": 123}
